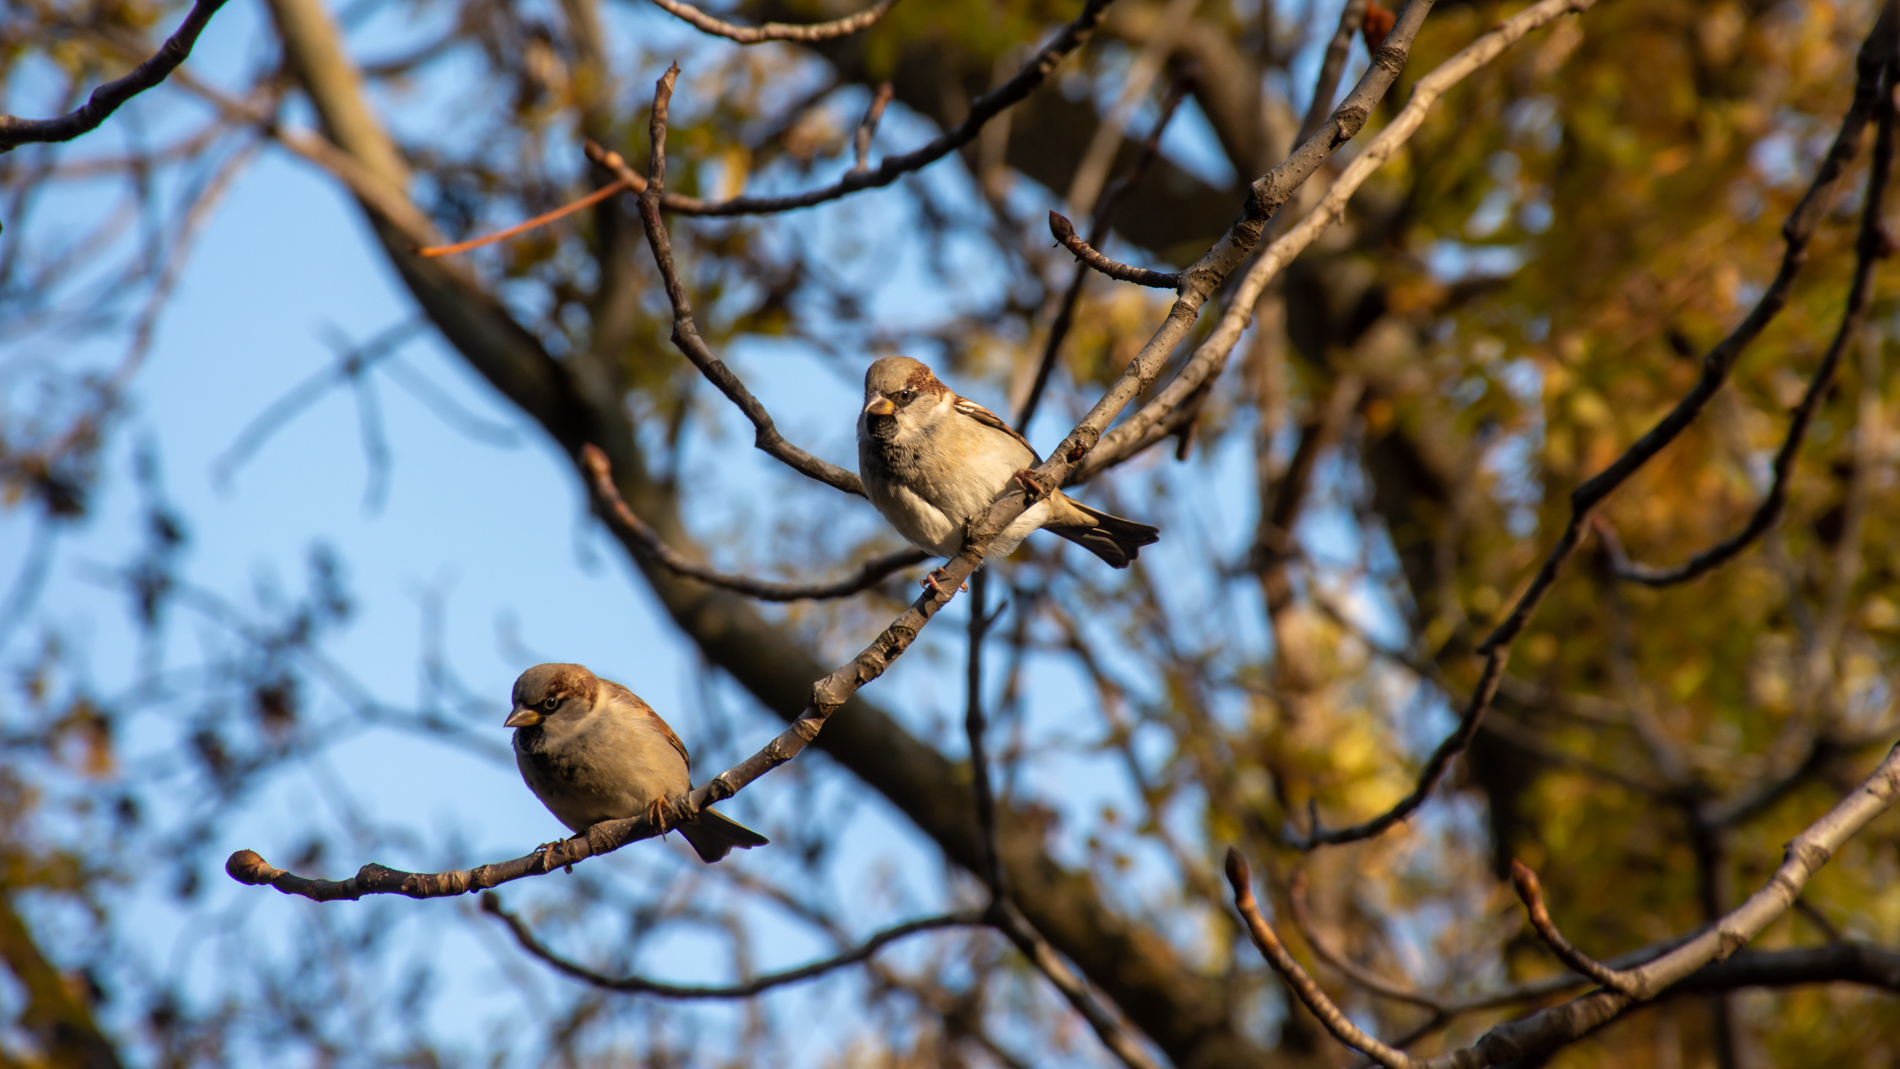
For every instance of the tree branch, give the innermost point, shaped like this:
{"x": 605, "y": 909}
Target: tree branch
{"x": 778, "y": 31}
{"x": 1297, "y": 979}
{"x": 639, "y": 985}
{"x": 614, "y": 507}
{"x": 1872, "y": 246}
{"x": 106, "y": 99}
{"x": 1496, "y": 647}
{"x": 1066, "y": 236}
{"x": 1583, "y": 964}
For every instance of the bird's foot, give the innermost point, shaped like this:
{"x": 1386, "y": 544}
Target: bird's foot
{"x": 546, "y": 850}
{"x": 935, "y": 580}
{"x": 1031, "y": 484}
{"x": 656, "y": 813}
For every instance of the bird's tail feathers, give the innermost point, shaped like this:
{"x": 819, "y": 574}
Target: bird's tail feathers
{"x": 1112, "y": 538}
{"x": 716, "y": 834}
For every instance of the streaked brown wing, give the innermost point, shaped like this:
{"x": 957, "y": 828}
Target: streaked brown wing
{"x": 617, "y": 692}
{"x": 990, "y": 419}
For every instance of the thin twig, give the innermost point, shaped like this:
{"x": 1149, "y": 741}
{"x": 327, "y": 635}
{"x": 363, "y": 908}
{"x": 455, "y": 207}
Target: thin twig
{"x": 1099, "y": 221}
{"x": 766, "y": 436}
{"x": 989, "y": 863}
{"x": 1532, "y": 894}
{"x": 106, "y": 99}
{"x": 1351, "y": 16}
{"x": 1010, "y": 921}
{"x": 1872, "y": 246}
{"x": 778, "y": 31}
{"x": 543, "y": 219}
{"x": 1066, "y": 236}
{"x": 1301, "y": 984}
{"x": 607, "y": 495}
{"x": 640, "y": 985}
{"x": 1345, "y": 966}
{"x": 867, "y": 128}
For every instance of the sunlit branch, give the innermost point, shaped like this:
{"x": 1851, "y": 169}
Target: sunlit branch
{"x": 1065, "y": 235}
{"x": 607, "y": 495}
{"x": 1548, "y": 1030}
{"x": 777, "y": 31}
{"x": 106, "y": 99}
{"x": 1532, "y": 895}
{"x": 1296, "y": 977}
{"x": 640, "y": 985}
{"x": 1351, "y": 16}
{"x": 543, "y": 219}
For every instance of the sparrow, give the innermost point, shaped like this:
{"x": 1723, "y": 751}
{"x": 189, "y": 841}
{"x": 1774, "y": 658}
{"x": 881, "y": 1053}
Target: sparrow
{"x": 931, "y": 460}
{"x": 591, "y": 750}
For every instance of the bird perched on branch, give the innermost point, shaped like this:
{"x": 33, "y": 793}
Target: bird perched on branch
{"x": 591, "y": 750}
{"x": 931, "y": 461}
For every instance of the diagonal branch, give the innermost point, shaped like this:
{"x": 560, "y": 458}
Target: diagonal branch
{"x": 1872, "y": 246}
{"x": 1536, "y": 1036}
{"x": 1532, "y": 894}
{"x": 543, "y": 219}
{"x": 1345, "y": 966}
{"x": 1875, "y": 53}
{"x": 607, "y": 497}
{"x": 1296, "y": 977}
{"x": 106, "y": 99}
{"x": 639, "y": 985}
{"x": 778, "y": 31}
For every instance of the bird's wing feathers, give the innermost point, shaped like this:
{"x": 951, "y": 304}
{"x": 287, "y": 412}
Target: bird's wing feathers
{"x": 616, "y": 692}
{"x": 990, "y": 419}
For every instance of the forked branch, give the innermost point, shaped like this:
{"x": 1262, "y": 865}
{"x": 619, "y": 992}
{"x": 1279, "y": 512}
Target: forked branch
{"x": 778, "y": 31}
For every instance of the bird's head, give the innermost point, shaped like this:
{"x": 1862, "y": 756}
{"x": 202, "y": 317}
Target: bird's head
{"x": 550, "y": 690}
{"x": 901, "y": 396}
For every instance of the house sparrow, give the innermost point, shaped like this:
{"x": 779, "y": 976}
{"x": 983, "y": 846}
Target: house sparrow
{"x": 591, "y": 750}
{"x": 931, "y": 460}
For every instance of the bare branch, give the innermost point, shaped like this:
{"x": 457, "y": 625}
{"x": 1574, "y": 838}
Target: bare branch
{"x": 1872, "y": 246}
{"x": 1010, "y": 921}
{"x": 639, "y": 985}
{"x": 1874, "y": 55}
{"x": 778, "y": 31}
{"x": 107, "y": 99}
{"x": 867, "y": 128}
{"x": 1351, "y": 17}
{"x": 1345, "y": 966}
{"x": 1297, "y": 979}
{"x": 1532, "y": 894}
{"x": 1546, "y": 1031}
{"x": 1066, "y": 236}
{"x": 607, "y": 496}
{"x": 990, "y": 865}
{"x": 686, "y": 332}
{"x": 891, "y": 168}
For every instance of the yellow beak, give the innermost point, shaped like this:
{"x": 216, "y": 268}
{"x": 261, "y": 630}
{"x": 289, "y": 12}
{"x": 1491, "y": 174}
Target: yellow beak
{"x": 523, "y": 718}
{"x": 880, "y": 406}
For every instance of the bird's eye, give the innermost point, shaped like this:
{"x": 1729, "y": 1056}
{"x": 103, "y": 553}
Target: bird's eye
{"x": 553, "y": 702}
{"x": 905, "y": 396}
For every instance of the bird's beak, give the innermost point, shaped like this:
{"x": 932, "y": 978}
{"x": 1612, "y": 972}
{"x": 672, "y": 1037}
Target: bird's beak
{"x": 880, "y": 406}
{"x": 523, "y": 718}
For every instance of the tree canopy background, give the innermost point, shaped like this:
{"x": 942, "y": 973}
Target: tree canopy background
{"x": 286, "y": 512}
